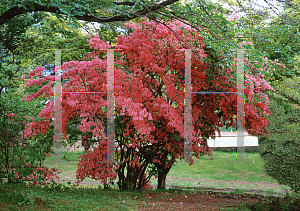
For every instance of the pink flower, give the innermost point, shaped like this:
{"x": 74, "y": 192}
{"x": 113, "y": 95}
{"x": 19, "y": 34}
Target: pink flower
{"x": 181, "y": 202}
{"x": 27, "y": 164}
{"x": 35, "y": 182}
{"x": 170, "y": 199}
{"x": 12, "y": 115}
{"x": 185, "y": 196}
{"x": 32, "y": 118}
{"x": 153, "y": 204}
{"x": 29, "y": 178}
{"x": 124, "y": 201}
{"x": 26, "y": 117}
{"x": 42, "y": 175}
{"x": 230, "y": 18}
{"x": 23, "y": 178}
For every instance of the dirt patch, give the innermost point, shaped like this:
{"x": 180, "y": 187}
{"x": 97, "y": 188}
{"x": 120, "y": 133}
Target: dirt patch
{"x": 193, "y": 201}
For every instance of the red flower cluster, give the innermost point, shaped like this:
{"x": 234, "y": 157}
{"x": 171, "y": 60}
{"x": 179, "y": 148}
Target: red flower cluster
{"x": 38, "y": 175}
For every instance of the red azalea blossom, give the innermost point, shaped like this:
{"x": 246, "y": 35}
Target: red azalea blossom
{"x": 149, "y": 98}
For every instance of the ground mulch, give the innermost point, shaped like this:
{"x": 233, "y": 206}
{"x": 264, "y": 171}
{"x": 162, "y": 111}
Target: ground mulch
{"x": 194, "y": 201}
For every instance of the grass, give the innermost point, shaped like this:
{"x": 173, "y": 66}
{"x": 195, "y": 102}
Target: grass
{"x": 218, "y": 169}
{"x": 204, "y": 169}
{"x": 66, "y": 197}
{"x": 221, "y": 169}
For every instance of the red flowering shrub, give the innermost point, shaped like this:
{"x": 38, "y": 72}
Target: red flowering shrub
{"x": 149, "y": 103}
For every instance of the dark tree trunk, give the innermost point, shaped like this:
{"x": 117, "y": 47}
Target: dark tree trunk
{"x": 162, "y": 175}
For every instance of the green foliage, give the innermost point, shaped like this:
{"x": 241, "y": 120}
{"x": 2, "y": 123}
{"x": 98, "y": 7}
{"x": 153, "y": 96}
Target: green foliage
{"x": 290, "y": 89}
{"x": 277, "y": 36}
{"x": 282, "y": 152}
{"x": 283, "y": 44}
{"x": 13, "y": 152}
{"x": 272, "y": 203}
{"x": 15, "y": 46}
{"x": 56, "y": 33}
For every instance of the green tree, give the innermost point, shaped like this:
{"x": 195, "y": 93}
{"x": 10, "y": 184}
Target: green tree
{"x": 273, "y": 29}
{"x": 281, "y": 151}
{"x": 23, "y": 45}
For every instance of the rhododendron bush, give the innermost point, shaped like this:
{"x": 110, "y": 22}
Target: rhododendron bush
{"x": 149, "y": 103}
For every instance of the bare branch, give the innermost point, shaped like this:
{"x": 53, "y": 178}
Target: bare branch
{"x": 128, "y": 3}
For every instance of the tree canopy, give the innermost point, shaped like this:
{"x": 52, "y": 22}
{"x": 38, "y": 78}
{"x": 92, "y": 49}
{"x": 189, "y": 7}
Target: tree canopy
{"x": 101, "y": 11}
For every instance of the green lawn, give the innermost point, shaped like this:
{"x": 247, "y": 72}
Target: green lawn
{"x": 221, "y": 169}
{"x": 204, "y": 169}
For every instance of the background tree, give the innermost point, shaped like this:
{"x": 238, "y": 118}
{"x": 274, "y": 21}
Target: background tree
{"x": 281, "y": 151}
{"x": 273, "y": 28}
{"x": 23, "y": 45}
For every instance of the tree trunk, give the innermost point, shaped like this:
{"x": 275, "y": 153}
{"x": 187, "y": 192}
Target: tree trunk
{"x": 162, "y": 175}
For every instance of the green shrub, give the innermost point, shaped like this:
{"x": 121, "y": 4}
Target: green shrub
{"x": 281, "y": 153}
{"x": 278, "y": 204}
